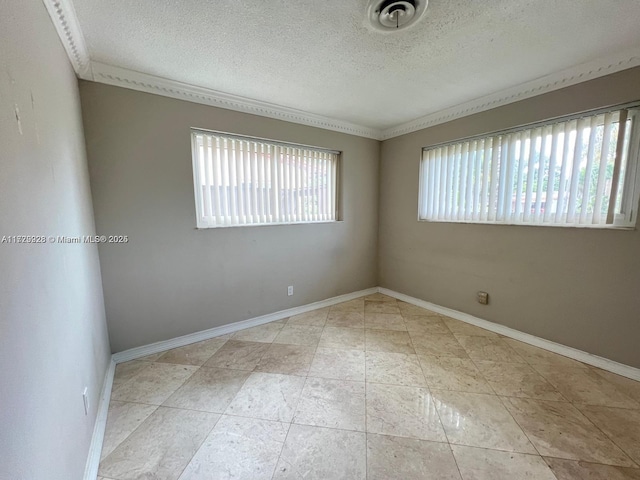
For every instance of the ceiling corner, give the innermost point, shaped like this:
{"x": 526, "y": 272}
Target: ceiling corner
{"x": 65, "y": 21}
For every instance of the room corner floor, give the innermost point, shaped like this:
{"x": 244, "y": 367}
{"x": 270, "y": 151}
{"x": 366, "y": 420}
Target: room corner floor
{"x": 371, "y": 388}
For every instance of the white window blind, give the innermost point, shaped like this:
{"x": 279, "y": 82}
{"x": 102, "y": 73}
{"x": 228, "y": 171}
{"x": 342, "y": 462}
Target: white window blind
{"x": 577, "y": 171}
{"x": 245, "y": 181}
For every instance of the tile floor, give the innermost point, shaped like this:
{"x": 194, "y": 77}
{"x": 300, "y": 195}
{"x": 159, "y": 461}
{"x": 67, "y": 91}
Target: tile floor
{"x": 370, "y": 389}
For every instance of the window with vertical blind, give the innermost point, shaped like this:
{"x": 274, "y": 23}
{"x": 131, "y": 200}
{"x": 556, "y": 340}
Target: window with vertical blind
{"x": 248, "y": 181}
{"x": 574, "y": 171}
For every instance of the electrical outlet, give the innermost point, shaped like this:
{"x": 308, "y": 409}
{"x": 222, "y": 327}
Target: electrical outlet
{"x": 85, "y": 399}
{"x": 290, "y": 290}
{"x": 483, "y": 298}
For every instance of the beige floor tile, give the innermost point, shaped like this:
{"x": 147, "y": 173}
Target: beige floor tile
{"x": 482, "y": 464}
{"x": 286, "y": 359}
{"x": 356, "y": 305}
{"x": 450, "y": 373}
{"x": 151, "y": 358}
{"x": 342, "y": 337}
{"x": 397, "y": 458}
{"x": 518, "y": 380}
{"x": 125, "y": 371}
{"x": 558, "y": 429}
{"x": 620, "y": 425}
{"x": 437, "y": 345}
{"x": 573, "y": 470}
{"x": 462, "y": 328}
{"x": 345, "y": 319}
{"x": 403, "y": 411}
{"x": 479, "y": 420}
{"x": 262, "y": 333}
{"x": 388, "y": 341}
{"x": 409, "y": 309}
{"x": 209, "y": 390}
{"x": 630, "y": 387}
{"x": 314, "y": 453}
{"x": 381, "y": 307}
{"x": 395, "y": 369}
{"x": 299, "y": 335}
{"x": 491, "y": 349}
{"x": 338, "y": 364}
{"x": 582, "y": 385}
{"x": 384, "y": 321}
{"x": 332, "y": 403}
{"x": 161, "y": 447}
{"x": 238, "y": 355}
{"x": 379, "y": 297}
{"x": 194, "y": 354}
{"x": 538, "y": 356}
{"x": 123, "y": 418}
{"x": 426, "y": 325}
{"x": 153, "y": 384}
{"x": 268, "y": 396}
{"x": 314, "y": 317}
{"x": 238, "y": 449}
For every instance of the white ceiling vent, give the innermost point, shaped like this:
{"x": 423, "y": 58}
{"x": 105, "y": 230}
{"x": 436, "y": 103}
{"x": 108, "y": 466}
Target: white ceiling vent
{"x": 391, "y": 15}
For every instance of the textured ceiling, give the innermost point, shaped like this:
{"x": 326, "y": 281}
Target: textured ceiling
{"x": 322, "y": 57}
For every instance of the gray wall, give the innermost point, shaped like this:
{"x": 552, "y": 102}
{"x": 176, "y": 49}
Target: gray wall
{"x": 172, "y": 279}
{"x": 573, "y": 286}
{"x": 53, "y": 337}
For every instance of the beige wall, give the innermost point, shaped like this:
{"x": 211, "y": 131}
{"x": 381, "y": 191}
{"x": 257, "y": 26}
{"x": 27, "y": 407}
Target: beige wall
{"x": 172, "y": 279}
{"x": 53, "y": 336}
{"x": 573, "y": 286}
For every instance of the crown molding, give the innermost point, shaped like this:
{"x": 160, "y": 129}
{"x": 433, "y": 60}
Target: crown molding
{"x": 65, "y": 20}
{"x": 571, "y": 76}
{"x": 143, "y": 82}
{"x": 66, "y": 23}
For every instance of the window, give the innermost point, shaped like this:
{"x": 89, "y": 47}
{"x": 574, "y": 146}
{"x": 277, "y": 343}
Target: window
{"x": 248, "y": 181}
{"x": 574, "y": 171}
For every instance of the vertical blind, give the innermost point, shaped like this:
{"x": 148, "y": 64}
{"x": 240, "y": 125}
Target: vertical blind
{"x": 566, "y": 172}
{"x": 244, "y": 181}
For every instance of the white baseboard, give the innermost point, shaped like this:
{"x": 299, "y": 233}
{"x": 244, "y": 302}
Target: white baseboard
{"x": 581, "y": 356}
{"x": 158, "y": 347}
{"x": 574, "y": 353}
{"x": 93, "y": 459}
{"x": 95, "y": 449}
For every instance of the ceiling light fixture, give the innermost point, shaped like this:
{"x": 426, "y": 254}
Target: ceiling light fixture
{"x": 393, "y": 15}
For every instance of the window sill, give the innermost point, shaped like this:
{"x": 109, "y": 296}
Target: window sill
{"x": 580, "y": 227}
{"x": 269, "y": 225}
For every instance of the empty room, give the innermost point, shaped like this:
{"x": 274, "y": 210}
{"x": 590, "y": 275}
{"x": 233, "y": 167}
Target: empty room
{"x": 306, "y": 240}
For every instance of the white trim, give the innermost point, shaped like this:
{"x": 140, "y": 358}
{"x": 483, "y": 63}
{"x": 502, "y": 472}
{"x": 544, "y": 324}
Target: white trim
{"x": 162, "y": 346}
{"x": 122, "y": 77}
{"x": 574, "y": 353}
{"x": 65, "y": 21}
{"x": 555, "y": 81}
{"x": 93, "y": 459}
{"x": 581, "y": 356}
{"x": 95, "y": 449}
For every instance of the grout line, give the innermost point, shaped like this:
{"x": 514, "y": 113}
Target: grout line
{"x": 494, "y": 393}
{"x": 200, "y": 446}
{"x": 366, "y": 384}
{"x": 605, "y": 434}
{"x": 275, "y": 467}
{"x": 455, "y": 460}
{"x": 131, "y": 433}
{"x": 637, "y": 468}
{"x": 498, "y": 396}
